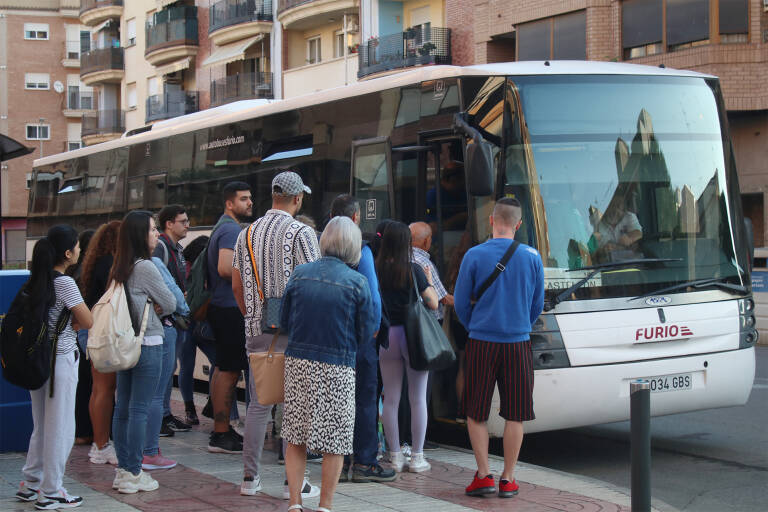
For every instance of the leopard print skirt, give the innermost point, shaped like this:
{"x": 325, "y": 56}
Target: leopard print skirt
{"x": 319, "y": 406}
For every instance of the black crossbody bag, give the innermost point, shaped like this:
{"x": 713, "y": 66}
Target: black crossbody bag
{"x": 500, "y": 267}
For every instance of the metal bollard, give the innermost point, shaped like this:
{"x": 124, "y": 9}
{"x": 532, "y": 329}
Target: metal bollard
{"x": 640, "y": 436}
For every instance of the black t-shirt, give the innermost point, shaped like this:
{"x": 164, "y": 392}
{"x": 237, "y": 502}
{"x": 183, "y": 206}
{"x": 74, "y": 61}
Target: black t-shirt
{"x": 396, "y": 300}
{"x": 99, "y": 277}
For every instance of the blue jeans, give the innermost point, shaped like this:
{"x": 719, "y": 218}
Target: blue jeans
{"x": 169, "y": 366}
{"x": 135, "y": 390}
{"x": 156, "y": 408}
{"x": 365, "y": 443}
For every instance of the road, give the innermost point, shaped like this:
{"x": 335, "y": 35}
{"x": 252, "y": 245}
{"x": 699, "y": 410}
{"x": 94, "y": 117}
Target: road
{"x": 714, "y": 460}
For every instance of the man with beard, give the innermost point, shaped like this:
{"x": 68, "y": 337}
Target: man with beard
{"x": 225, "y": 317}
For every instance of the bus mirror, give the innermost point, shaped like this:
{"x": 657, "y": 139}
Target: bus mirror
{"x": 479, "y": 166}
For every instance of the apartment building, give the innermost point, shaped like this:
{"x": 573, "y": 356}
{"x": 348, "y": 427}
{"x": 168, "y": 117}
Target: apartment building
{"x": 727, "y": 38}
{"x": 42, "y": 99}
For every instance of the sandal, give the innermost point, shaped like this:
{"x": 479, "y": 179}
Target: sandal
{"x": 296, "y": 507}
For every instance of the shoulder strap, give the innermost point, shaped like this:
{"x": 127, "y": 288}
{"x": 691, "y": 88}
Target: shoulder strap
{"x": 165, "y": 250}
{"x": 253, "y": 263}
{"x": 500, "y": 267}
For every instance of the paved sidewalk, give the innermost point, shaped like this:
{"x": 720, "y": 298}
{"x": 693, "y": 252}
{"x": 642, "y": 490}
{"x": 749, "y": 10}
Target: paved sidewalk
{"x": 210, "y": 482}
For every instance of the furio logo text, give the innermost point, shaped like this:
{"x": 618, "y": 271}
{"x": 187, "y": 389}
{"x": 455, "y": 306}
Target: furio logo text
{"x": 660, "y": 332}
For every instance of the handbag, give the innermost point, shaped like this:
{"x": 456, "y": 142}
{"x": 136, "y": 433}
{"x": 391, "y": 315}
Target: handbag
{"x": 268, "y": 374}
{"x": 428, "y": 347}
{"x": 270, "y": 307}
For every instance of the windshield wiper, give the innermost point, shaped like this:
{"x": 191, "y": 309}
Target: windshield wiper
{"x": 701, "y": 283}
{"x": 596, "y": 269}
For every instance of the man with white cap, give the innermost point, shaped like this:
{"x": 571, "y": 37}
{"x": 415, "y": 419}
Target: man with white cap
{"x": 280, "y": 243}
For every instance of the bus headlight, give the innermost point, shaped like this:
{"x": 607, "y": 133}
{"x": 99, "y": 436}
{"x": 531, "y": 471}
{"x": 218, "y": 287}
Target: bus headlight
{"x": 547, "y": 344}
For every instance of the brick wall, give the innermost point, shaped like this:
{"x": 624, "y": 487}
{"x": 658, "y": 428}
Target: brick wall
{"x": 459, "y": 16}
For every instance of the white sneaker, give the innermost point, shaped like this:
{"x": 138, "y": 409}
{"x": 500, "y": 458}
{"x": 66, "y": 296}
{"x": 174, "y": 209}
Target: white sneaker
{"x": 397, "y": 460}
{"x": 250, "y": 487}
{"x": 418, "y": 463}
{"x": 119, "y": 475}
{"x": 307, "y": 491}
{"x": 131, "y": 484}
{"x": 61, "y": 499}
{"x": 104, "y": 455}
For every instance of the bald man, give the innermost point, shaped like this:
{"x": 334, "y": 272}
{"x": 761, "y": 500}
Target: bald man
{"x": 499, "y": 348}
{"x": 421, "y": 240}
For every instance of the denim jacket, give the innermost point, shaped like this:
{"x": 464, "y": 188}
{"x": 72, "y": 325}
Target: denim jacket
{"x": 327, "y": 311}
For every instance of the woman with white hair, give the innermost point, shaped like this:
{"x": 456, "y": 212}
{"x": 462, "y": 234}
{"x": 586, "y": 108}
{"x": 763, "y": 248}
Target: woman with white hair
{"x": 327, "y": 311}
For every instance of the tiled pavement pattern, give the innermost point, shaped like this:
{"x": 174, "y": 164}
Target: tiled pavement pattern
{"x": 209, "y": 482}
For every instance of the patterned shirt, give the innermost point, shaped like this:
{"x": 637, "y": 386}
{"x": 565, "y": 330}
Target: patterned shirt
{"x": 280, "y": 244}
{"x": 421, "y": 257}
{"x": 67, "y": 296}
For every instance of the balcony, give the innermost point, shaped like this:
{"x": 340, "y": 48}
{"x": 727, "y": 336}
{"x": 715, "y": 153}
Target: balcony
{"x": 71, "y": 56}
{"x": 79, "y": 101}
{"x": 171, "y": 104}
{"x": 232, "y": 20}
{"x": 172, "y": 35}
{"x": 242, "y": 86}
{"x": 320, "y": 76}
{"x": 413, "y": 47}
{"x": 304, "y": 14}
{"x": 104, "y": 65}
{"x": 93, "y": 12}
{"x": 102, "y": 126}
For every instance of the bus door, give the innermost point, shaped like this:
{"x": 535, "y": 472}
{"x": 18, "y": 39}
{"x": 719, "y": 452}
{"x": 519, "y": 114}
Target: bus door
{"x": 371, "y": 181}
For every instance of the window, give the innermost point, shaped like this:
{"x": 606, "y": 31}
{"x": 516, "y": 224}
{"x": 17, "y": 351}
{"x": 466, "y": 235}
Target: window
{"x": 533, "y": 40}
{"x": 734, "y": 20}
{"x": 338, "y": 44}
{"x": 38, "y": 132}
{"x": 130, "y": 28}
{"x": 313, "y": 50}
{"x": 561, "y": 37}
{"x": 641, "y": 27}
{"x": 36, "y": 31}
{"x": 37, "y": 81}
{"x": 72, "y": 145}
{"x": 687, "y": 22}
{"x": 130, "y": 92}
{"x": 85, "y": 41}
{"x": 570, "y": 37}
{"x": 29, "y": 181}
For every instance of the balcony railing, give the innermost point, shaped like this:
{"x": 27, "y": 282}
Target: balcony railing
{"x": 87, "y": 5}
{"x": 171, "y": 104}
{"x": 231, "y": 12}
{"x": 284, "y": 5}
{"x": 80, "y": 100}
{"x": 103, "y": 122}
{"x": 242, "y": 86}
{"x": 413, "y": 47}
{"x": 102, "y": 59}
{"x": 172, "y": 27}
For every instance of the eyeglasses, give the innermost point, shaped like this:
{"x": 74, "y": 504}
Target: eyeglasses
{"x": 185, "y": 222}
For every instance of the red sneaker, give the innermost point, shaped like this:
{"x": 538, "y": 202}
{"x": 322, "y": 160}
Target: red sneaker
{"x": 508, "y": 489}
{"x": 481, "y": 486}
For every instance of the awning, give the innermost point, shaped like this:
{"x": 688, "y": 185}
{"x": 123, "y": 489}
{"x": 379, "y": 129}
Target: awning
{"x": 174, "y": 66}
{"x": 230, "y": 52}
{"x": 101, "y": 26}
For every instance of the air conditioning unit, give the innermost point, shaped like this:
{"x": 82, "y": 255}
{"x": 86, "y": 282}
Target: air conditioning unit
{"x": 353, "y": 24}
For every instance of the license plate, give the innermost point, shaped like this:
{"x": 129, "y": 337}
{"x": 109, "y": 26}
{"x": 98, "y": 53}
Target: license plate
{"x": 675, "y": 382}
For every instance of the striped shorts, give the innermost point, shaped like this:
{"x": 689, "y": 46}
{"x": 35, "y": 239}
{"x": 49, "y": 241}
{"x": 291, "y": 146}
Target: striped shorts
{"x": 510, "y": 365}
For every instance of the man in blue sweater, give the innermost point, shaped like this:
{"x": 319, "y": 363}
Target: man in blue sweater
{"x": 499, "y": 347}
{"x": 365, "y": 443}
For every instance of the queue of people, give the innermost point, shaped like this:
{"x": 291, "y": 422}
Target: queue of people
{"x": 333, "y": 354}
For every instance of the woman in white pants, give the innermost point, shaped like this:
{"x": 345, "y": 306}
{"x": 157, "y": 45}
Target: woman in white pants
{"x": 54, "y": 416}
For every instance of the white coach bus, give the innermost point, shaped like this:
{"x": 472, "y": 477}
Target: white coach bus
{"x": 626, "y": 175}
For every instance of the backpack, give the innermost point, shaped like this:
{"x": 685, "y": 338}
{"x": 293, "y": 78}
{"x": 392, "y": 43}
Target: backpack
{"x": 27, "y": 352}
{"x": 198, "y": 292}
{"x": 113, "y": 343}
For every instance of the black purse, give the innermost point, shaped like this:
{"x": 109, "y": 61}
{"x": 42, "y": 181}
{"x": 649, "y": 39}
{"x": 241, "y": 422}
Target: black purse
{"x": 428, "y": 346}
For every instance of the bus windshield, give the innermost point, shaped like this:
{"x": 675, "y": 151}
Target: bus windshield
{"x": 613, "y": 168}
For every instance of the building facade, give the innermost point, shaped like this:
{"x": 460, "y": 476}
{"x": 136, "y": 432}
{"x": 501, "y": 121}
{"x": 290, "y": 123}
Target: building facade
{"x": 42, "y": 99}
{"x": 726, "y": 38}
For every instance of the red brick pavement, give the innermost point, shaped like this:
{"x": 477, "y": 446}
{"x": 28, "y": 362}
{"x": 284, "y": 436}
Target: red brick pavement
{"x": 182, "y": 488}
